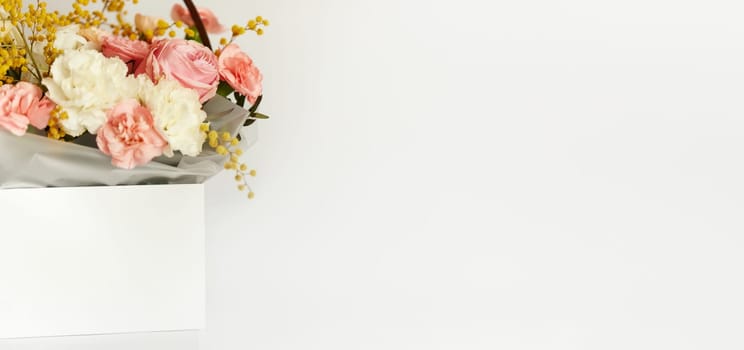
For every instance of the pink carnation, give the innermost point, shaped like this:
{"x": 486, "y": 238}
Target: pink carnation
{"x": 129, "y": 135}
{"x": 211, "y": 23}
{"x": 191, "y": 64}
{"x": 22, "y": 104}
{"x": 132, "y": 52}
{"x": 238, "y": 70}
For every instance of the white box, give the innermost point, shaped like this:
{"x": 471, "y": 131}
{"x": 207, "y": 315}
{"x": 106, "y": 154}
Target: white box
{"x": 100, "y": 260}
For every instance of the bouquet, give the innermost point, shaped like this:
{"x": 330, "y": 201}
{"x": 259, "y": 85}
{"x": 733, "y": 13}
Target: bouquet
{"x": 93, "y": 97}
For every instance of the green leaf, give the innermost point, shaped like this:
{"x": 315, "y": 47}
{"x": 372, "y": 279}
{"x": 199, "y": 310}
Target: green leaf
{"x": 195, "y": 37}
{"x": 224, "y": 89}
{"x": 259, "y": 116}
{"x": 254, "y": 108}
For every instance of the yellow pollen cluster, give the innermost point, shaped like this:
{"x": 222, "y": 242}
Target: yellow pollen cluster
{"x": 226, "y": 145}
{"x": 12, "y": 61}
{"x": 33, "y": 28}
{"x": 122, "y": 26}
{"x": 255, "y": 25}
{"x": 162, "y": 28}
{"x": 55, "y": 131}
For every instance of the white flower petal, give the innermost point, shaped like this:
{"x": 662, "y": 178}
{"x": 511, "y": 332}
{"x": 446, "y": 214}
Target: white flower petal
{"x": 177, "y": 113}
{"x": 86, "y": 84}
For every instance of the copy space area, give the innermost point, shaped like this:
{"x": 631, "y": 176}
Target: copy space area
{"x": 484, "y": 175}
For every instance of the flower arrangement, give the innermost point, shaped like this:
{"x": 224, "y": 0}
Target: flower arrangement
{"x": 152, "y": 96}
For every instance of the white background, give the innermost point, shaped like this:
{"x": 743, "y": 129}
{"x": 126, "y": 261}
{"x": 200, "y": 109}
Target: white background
{"x": 481, "y": 175}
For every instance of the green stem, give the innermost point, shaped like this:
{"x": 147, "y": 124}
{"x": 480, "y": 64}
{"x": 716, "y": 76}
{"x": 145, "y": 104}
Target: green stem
{"x": 30, "y": 52}
{"x": 198, "y": 23}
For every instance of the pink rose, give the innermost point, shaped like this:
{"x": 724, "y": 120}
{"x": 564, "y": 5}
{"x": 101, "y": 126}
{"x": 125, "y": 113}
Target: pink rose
{"x": 132, "y": 52}
{"x": 237, "y": 69}
{"x": 22, "y": 104}
{"x": 186, "y": 61}
{"x": 211, "y": 23}
{"x": 129, "y": 135}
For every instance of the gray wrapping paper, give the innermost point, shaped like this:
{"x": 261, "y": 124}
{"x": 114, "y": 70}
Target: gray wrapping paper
{"x": 36, "y": 161}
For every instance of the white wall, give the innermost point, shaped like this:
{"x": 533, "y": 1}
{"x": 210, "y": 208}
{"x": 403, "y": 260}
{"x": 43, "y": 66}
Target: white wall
{"x": 484, "y": 175}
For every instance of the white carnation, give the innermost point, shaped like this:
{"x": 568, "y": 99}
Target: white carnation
{"x": 177, "y": 113}
{"x": 86, "y": 84}
{"x": 67, "y": 38}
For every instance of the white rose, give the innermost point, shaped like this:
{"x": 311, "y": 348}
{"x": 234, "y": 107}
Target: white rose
{"x": 86, "y": 85}
{"x": 177, "y": 113}
{"x": 67, "y": 38}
